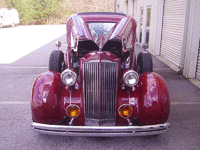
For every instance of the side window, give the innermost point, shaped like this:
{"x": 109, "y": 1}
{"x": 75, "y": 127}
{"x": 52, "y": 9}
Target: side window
{"x": 128, "y": 37}
{"x": 130, "y": 40}
{"x": 73, "y": 39}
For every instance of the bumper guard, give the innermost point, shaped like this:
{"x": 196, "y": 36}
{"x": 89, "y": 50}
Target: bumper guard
{"x": 100, "y": 131}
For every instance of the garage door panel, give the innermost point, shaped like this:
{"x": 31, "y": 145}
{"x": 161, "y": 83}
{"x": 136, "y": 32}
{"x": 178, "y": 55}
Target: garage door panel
{"x": 170, "y": 49}
{"x": 172, "y": 58}
{"x": 198, "y": 62}
{"x": 178, "y": 20}
{"x": 176, "y": 33}
{"x": 175, "y": 2}
{"x": 172, "y": 12}
{"x": 175, "y": 45}
{"x": 170, "y": 38}
{"x": 173, "y": 30}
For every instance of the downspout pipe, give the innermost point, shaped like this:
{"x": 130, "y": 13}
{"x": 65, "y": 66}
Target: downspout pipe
{"x": 115, "y": 6}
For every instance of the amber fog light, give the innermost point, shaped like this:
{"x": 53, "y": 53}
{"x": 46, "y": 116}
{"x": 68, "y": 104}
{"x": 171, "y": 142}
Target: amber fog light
{"x": 73, "y": 111}
{"x": 125, "y": 111}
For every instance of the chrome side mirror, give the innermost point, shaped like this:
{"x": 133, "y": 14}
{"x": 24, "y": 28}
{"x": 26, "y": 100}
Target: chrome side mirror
{"x": 145, "y": 46}
{"x": 58, "y": 44}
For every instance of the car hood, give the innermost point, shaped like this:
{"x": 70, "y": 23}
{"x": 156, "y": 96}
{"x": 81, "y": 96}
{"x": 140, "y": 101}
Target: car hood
{"x": 77, "y": 27}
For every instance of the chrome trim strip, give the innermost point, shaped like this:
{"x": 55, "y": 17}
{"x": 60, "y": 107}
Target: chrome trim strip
{"x": 68, "y": 64}
{"x": 100, "y": 131}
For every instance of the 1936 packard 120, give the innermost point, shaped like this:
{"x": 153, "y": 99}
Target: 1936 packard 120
{"x": 99, "y": 87}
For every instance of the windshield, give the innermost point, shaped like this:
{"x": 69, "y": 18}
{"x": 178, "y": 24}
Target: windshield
{"x": 100, "y": 28}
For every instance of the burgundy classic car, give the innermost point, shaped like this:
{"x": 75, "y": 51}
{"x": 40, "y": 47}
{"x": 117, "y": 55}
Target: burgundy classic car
{"x": 99, "y": 87}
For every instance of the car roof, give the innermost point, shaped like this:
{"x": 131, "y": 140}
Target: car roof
{"x": 101, "y": 13}
{"x": 101, "y": 16}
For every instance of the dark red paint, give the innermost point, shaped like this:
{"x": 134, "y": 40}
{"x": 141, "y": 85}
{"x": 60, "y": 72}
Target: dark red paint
{"x": 149, "y": 98}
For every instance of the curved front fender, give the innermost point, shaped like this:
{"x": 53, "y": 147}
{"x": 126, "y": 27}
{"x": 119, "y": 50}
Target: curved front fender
{"x": 45, "y": 98}
{"x": 149, "y": 100}
{"x": 154, "y": 104}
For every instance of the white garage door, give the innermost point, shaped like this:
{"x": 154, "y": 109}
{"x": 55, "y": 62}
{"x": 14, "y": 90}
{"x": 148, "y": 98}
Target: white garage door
{"x": 198, "y": 58}
{"x": 198, "y": 64}
{"x": 173, "y": 30}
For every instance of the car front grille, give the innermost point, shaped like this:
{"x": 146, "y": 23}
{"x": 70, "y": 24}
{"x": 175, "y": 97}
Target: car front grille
{"x": 100, "y": 83}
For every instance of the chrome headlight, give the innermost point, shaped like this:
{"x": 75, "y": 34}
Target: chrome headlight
{"x": 68, "y": 77}
{"x": 131, "y": 78}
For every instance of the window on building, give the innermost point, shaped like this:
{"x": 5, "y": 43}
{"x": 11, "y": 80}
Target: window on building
{"x": 132, "y": 9}
{"x": 117, "y": 8}
{"x": 148, "y": 16}
{"x": 126, "y": 7}
{"x": 148, "y": 24}
{"x": 141, "y": 22}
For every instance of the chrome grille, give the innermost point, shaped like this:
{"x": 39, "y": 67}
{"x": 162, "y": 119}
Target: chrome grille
{"x": 96, "y": 99}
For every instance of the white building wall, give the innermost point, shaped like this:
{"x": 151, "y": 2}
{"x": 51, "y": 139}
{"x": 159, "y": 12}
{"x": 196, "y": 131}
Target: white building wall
{"x": 193, "y": 36}
{"x": 156, "y": 38}
{"x": 155, "y": 23}
{"x": 120, "y": 6}
{"x": 127, "y": 7}
{"x": 132, "y": 8}
{"x": 191, "y": 29}
{"x": 135, "y": 8}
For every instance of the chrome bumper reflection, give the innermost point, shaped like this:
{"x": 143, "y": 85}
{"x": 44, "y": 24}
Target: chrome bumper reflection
{"x": 100, "y": 131}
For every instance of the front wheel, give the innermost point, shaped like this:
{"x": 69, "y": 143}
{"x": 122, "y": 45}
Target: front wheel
{"x": 144, "y": 63}
{"x": 56, "y": 61}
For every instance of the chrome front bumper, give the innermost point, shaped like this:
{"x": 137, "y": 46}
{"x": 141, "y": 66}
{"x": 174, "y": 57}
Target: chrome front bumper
{"x": 100, "y": 131}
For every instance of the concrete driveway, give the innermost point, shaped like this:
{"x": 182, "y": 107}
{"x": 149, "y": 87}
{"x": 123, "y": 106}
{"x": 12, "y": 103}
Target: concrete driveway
{"x": 21, "y": 40}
